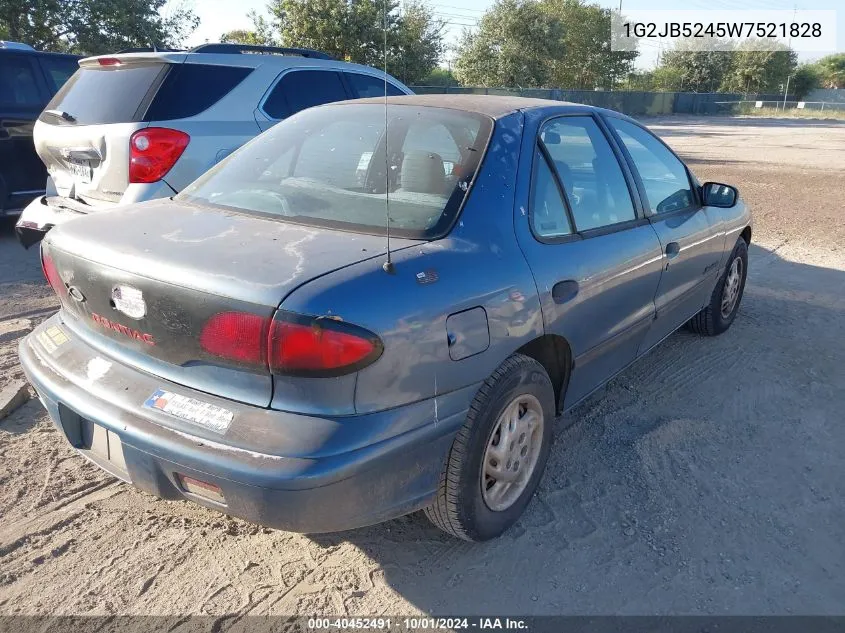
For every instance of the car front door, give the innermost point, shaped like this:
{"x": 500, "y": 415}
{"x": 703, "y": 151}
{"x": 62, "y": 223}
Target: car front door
{"x": 595, "y": 259}
{"x": 690, "y": 234}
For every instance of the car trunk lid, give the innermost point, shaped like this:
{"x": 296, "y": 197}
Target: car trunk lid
{"x": 141, "y": 284}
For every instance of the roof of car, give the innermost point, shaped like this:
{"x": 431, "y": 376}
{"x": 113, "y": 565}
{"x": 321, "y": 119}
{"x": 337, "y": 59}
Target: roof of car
{"x": 494, "y": 106}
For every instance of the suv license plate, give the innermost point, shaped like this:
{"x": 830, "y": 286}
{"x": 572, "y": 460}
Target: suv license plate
{"x": 80, "y": 170}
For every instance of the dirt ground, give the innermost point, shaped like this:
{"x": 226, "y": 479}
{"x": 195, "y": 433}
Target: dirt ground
{"x": 707, "y": 479}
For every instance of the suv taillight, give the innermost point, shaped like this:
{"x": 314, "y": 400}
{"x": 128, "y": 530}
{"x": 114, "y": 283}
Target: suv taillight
{"x": 292, "y": 344}
{"x": 153, "y": 151}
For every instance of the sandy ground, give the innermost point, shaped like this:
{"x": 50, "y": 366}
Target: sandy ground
{"x": 707, "y": 479}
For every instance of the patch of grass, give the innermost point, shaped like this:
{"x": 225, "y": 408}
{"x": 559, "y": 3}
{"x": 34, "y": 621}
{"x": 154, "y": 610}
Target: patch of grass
{"x": 791, "y": 113}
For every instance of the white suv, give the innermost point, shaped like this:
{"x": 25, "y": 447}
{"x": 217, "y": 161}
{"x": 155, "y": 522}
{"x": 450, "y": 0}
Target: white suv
{"x": 136, "y": 126}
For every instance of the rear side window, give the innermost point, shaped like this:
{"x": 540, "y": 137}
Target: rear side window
{"x": 369, "y": 86}
{"x": 58, "y": 70}
{"x": 301, "y": 89}
{"x": 190, "y": 89}
{"x": 17, "y": 83}
{"x": 589, "y": 172}
{"x": 111, "y": 94}
{"x": 548, "y": 212}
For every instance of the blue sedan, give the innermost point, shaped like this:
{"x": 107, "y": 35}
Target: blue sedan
{"x": 377, "y": 307}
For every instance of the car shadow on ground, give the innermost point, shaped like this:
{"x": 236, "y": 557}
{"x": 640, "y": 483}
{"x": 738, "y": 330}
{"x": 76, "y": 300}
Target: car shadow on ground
{"x": 706, "y": 478}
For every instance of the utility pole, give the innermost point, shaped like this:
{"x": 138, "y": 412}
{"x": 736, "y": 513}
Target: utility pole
{"x": 786, "y": 92}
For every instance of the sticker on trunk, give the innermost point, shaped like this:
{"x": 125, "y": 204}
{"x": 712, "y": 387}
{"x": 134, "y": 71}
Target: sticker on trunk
{"x": 52, "y": 338}
{"x": 203, "y": 414}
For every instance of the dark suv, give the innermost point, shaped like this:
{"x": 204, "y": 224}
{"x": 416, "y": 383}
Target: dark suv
{"x": 28, "y": 80}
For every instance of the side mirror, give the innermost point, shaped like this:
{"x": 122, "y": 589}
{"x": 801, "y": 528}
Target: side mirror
{"x": 715, "y": 194}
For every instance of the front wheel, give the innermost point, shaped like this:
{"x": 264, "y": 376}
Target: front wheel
{"x": 724, "y": 302}
{"x": 497, "y": 459}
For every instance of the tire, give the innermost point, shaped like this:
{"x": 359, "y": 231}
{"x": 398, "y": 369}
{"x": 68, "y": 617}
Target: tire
{"x": 712, "y": 320}
{"x": 461, "y": 507}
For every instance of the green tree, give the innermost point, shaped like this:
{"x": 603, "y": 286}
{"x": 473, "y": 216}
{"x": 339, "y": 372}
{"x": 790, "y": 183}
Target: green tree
{"x": 832, "y": 70}
{"x": 543, "y": 43}
{"x": 806, "y": 78}
{"x": 756, "y": 71}
{"x": 696, "y": 71}
{"x": 439, "y": 77}
{"x": 94, "y": 27}
{"x": 355, "y": 31}
{"x": 262, "y": 33}
{"x": 588, "y": 61}
{"x": 514, "y": 45}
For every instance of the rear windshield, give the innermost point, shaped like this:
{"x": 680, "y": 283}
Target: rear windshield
{"x": 112, "y": 94}
{"x": 144, "y": 92}
{"x": 326, "y": 167}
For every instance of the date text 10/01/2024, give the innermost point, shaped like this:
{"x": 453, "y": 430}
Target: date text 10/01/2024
{"x": 418, "y": 624}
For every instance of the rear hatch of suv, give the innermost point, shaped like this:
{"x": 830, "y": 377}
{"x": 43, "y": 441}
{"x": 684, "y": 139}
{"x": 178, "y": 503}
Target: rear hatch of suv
{"x": 85, "y": 134}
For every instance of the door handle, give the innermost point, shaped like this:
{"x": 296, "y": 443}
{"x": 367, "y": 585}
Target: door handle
{"x": 564, "y": 291}
{"x": 672, "y": 249}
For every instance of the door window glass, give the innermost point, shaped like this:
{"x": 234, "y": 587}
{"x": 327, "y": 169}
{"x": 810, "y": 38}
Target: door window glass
{"x": 548, "y": 211}
{"x": 589, "y": 172}
{"x": 59, "y": 70}
{"x": 17, "y": 83}
{"x": 303, "y": 89}
{"x": 371, "y": 86}
{"x": 664, "y": 177}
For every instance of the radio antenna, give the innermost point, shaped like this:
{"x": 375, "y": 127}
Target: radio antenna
{"x": 388, "y": 265}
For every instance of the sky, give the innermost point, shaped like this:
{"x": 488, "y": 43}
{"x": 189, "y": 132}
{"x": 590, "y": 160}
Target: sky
{"x": 219, "y": 16}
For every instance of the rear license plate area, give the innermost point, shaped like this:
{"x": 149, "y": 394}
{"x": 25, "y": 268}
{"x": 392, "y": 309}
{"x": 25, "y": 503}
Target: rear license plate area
{"x": 79, "y": 169}
{"x": 96, "y": 441}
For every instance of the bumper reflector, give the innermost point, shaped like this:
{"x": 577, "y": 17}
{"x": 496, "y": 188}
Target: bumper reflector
{"x": 201, "y": 488}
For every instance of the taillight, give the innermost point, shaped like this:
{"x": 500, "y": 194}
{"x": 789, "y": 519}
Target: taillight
{"x": 306, "y": 346}
{"x": 238, "y": 336}
{"x": 292, "y": 344}
{"x": 153, "y": 151}
{"x": 109, "y": 61}
{"x": 51, "y": 274}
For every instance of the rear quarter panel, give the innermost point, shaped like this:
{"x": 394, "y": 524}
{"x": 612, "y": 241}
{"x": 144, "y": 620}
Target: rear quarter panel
{"x": 478, "y": 264}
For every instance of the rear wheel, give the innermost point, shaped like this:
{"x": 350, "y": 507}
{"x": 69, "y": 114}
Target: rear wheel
{"x": 498, "y": 457}
{"x": 724, "y": 302}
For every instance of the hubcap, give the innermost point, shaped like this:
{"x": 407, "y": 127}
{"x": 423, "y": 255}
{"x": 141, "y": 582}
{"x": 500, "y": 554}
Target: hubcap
{"x": 730, "y": 291}
{"x": 512, "y": 452}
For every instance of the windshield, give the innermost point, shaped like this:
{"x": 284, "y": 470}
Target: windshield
{"x": 326, "y": 167}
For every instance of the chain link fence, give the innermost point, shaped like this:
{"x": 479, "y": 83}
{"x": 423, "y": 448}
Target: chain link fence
{"x": 636, "y": 103}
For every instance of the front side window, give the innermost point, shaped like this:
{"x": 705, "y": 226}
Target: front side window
{"x": 334, "y": 166}
{"x": 664, "y": 177}
{"x": 589, "y": 171}
{"x": 302, "y": 89}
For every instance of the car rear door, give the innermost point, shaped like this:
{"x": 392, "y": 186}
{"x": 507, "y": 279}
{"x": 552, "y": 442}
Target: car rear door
{"x": 23, "y": 94}
{"x": 689, "y": 233}
{"x": 298, "y": 89}
{"x": 595, "y": 259}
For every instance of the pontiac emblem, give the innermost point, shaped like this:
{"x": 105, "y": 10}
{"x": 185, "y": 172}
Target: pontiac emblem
{"x": 129, "y": 301}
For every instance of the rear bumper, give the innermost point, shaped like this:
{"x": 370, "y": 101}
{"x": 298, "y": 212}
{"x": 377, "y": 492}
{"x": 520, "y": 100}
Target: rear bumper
{"x": 40, "y": 216}
{"x": 47, "y": 211}
{"x": 282, "y": 470}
